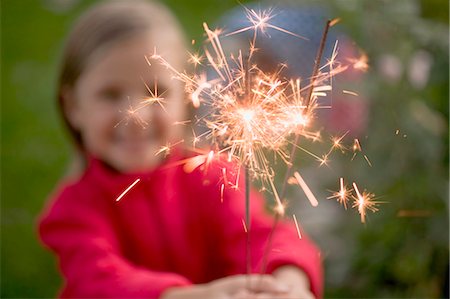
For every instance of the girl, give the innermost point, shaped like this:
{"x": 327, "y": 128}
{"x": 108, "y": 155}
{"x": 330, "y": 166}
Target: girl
{"x": 171, "y": 236}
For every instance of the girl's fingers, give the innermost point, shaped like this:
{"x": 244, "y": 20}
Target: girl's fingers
{"x": 252, "y": 284}
{"x": 265, "y": 296}
{"x": 243, "y": 294}
{"x": 267, "y": 284}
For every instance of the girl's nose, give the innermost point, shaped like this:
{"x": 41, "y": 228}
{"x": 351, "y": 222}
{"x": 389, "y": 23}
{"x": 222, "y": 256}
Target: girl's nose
{"x": 144, "y": 108}
{"x": 136, "y": 111}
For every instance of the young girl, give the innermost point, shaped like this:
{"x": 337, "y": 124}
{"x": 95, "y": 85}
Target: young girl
{"x": 173, "y": 235}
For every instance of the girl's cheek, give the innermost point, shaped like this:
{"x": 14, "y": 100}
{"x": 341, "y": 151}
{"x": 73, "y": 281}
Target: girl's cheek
{"x": 104, "y": 118}
{"x": 178, "y": 108}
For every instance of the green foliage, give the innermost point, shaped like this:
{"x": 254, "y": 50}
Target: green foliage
{"x": 402, "y": 256}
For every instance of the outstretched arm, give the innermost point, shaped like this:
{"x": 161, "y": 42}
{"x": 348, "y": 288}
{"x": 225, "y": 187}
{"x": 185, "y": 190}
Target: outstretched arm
{"x": 90, "y": 256}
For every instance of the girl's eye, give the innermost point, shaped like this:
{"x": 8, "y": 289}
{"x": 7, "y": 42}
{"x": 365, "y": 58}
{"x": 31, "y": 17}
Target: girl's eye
{"x": 111, "y": 94}
{"x": 160, "y": 91}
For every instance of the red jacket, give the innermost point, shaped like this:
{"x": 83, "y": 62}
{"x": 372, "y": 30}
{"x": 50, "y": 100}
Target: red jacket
{"x": 170, "y": 229}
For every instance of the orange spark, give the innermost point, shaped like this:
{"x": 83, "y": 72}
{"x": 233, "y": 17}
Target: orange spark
{"x": 364, "y": 202}
{"x": 342, "y": 196}
{"x": 126, "y": 190}
{"x": 350, "y": 92}
{"x": 224, "y": 175}
{"x": 182, "y": 122}
{"x": 361, "y": 63}
{"x": 167, "y": 147}
{"x": 337, "y": 142}
{"x": 260, "y": 21}
{"x": 244, "y": 225}
{"x": 222, "y": 187}
{"x": 334, "y": 21}
{"x": 312, "y": 199}
{"x": 296, "y": 226}
{"x": 356, "y": 145}
{"x": 194, "y": 162}
{"x": 367, "y": 160}
{"x": 195, "y": 59}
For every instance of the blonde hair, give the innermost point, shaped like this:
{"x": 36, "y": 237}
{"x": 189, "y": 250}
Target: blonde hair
{"x": 105, "y": 24}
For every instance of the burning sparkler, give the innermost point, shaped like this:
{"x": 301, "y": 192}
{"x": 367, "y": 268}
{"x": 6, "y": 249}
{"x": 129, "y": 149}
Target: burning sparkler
{"x": 253, "y": 112}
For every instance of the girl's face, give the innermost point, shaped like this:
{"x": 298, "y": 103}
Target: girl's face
{"x": 105, "y": 101}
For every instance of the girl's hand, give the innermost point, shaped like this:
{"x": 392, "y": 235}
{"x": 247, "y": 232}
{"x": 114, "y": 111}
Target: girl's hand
{"x": 231, "y": 287}
{"x": 296, "y": 280}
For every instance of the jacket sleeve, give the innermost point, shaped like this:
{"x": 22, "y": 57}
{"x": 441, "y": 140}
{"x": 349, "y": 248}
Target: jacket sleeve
{"x": 89, "y": 253}
{"x": 287, "y": 247}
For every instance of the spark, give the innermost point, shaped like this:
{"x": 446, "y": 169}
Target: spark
{"x": 312, "y": 199}
{"x": 292, "y": 181}
{"x": 132, "y": 113}
{"x": 154, "y": 97}
{"x": 224, "y": 176}
{"x": 195, "y": 138}
{"x": 342, "y": 196}
{"x": 260, "y": 21}
{"x": 296, "y": 226}
{"x": 323, "y": 160}
{"x": 222, "y": 187}
{"x": 195, "y": 59}
{"x": 367, "y": 160}
{"x": 210, "y": 157}
{"x": 167, "y": 148}
{"x": 202, "y": 84}
{"x": 279, "y": 209}
{"x": 337, "y": 142}
{"x": 244, "y": 225}
{"x": 191, "y": 164}
{"x": 356, "y": 148}
{"x": 361, "y": 63}
{"x": 126, "y": 190}
{"x": 364, "y": 202}
{"x": 350, "y": 92}
{"x": 356, "y": 145}
{"x": 334, "y": 21}
{"x": 181, "y": 123}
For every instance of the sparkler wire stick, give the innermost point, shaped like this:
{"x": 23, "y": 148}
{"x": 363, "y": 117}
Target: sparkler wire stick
{"x": 317, "y": 61}
{"x": 247, "y": 178}
{"x": 294, "y": 147}
{"x": 247, "y": 220}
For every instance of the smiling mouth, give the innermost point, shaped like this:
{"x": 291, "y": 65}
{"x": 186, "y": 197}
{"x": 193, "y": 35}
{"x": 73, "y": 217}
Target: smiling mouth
{"x": 136, "y": 141}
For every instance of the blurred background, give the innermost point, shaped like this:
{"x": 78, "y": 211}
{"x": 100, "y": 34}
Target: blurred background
{"x": 402, "y": 251}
